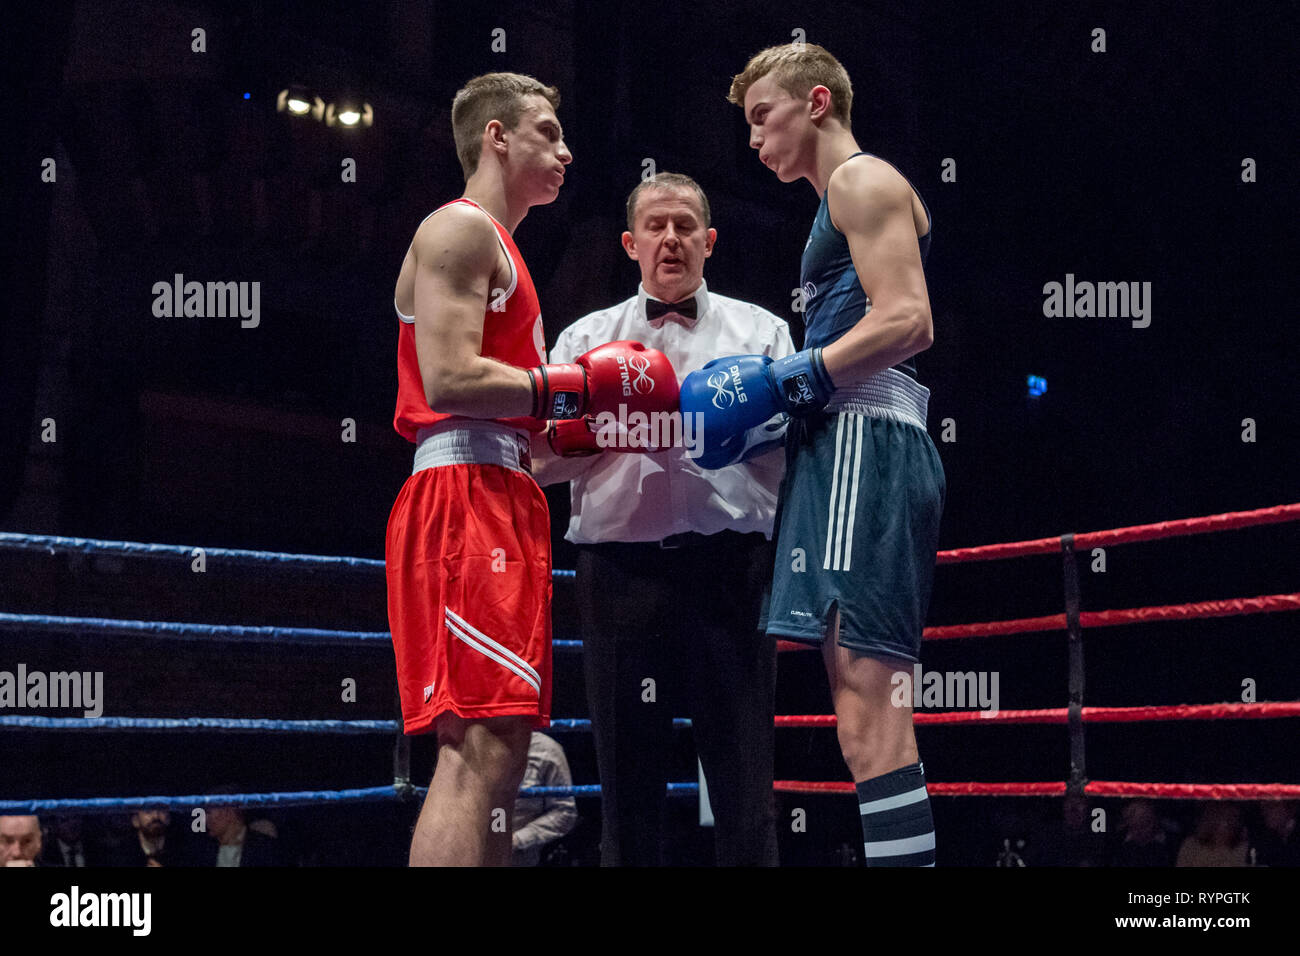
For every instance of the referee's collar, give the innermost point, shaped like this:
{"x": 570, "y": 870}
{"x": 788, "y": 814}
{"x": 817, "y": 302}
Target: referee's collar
{"x": 701, "y": 297}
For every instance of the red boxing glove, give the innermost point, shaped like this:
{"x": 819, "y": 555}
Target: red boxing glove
{"x": 613, "y": 374}
{"x": 629, "y": 374}
{"x": 573, "y": 437}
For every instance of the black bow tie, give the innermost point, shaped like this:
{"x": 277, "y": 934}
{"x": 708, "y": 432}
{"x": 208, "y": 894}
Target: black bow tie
{"x": 656, "y": 310}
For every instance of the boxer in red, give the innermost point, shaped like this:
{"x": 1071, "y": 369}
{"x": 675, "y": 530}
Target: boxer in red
{"x": 468, "y": 542}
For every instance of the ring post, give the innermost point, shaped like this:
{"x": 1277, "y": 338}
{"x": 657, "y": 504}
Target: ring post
{"x": 1078, "y": 770}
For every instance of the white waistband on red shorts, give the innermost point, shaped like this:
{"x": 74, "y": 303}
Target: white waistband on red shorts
{"x": 467, "y": 441}
{"x": 888, "y": 394}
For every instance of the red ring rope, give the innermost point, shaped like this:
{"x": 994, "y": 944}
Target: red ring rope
{"x": 1096, "y": 715}
{"x": 1227, "y": 521}
{"x": 1094, "y": 788}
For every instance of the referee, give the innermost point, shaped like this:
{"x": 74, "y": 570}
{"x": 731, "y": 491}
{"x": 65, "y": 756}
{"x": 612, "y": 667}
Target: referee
{"x": 673, "y": 559}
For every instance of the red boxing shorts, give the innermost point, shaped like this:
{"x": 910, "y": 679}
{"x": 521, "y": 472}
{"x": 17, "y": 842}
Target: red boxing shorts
{"x": 468, "y": 555}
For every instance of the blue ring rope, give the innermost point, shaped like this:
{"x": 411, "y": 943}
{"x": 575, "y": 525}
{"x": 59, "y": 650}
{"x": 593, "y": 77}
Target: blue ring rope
{"x": 247, "y": 724}
{"x": 174, "y": 724}
{"x": 192, "y": 631}
{"x": 295, "y": 798}
{"x": 189, "y": 631}
{"x": 52, "y": 544}
{"x": 284, "y": 799}
{"x": 562, "y": 724}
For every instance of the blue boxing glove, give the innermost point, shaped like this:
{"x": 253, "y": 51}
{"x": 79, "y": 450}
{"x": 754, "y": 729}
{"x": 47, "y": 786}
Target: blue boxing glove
{"x": 730, "y": 396}
{"x": 742, "y": 447}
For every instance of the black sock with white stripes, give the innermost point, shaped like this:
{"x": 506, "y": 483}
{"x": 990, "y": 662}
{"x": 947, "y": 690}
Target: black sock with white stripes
{"x": 897, "y": 827}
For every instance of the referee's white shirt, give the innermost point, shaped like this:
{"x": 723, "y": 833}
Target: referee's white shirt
{"x": 650, "y": 496}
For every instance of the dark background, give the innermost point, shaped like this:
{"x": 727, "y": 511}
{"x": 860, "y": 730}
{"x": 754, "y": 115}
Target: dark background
{"x": 1115, "y": 166}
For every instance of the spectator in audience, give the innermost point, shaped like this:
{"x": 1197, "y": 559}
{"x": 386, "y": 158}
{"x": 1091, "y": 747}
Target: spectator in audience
{"x": 1276, "y": 843}
{"x": 542, "y": 820}
{"x": 1078, "y": 843}
{"x": 1219, "y": 838}
{"x": 236, "y": 843}
{"x": 20, "y": 841}
{"x": 150, "y": 843}
{"x": 1143, "y": 841}
{"x": 1010, "y": 831}
{"x": 1060, "y": 835}
{"x": 66, "y": 844}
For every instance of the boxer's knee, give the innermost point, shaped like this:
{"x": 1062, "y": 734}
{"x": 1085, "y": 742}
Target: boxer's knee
{"x": 875, "y": 737}
{"x": 489, "y": 754}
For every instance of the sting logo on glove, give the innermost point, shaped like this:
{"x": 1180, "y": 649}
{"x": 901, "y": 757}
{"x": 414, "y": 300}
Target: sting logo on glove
{"x": 643, "y": 384}
{"x": 722, "y": 397}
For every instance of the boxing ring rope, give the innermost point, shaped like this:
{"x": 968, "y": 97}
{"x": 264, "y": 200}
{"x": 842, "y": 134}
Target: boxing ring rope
{"x": 1230, "y": 607}
{"x": 196, "y": 724}
{"x": 295, "y": 798}
{"x": 1098, "y": 715}
{"x": 1094, "y": 788}
{"x": 186, "y": 631}
{"x": 1074, "y": 716}
{"x": 54, "y": 544}
{"x": 1228, "y": 521}
{"x": 1095, "y": 715}
{"x": 249, "y": 724}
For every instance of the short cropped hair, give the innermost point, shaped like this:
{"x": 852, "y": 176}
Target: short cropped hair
{"x": 666, "y": 181}
{"x": 491, "y": 96}
{"x": 797, "y": 68}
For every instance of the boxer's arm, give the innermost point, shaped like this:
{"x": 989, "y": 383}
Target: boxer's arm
{"x": 456, "y": 254}
{"x": 872, "y": 205}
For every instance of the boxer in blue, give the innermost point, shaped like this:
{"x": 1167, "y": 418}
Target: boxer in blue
{"x": 858, "y": 513}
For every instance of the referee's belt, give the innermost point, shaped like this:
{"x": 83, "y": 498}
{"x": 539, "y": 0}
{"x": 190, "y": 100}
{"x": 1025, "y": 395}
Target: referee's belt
{"x": 472, "y": 442}
{"x": 687, "y": 539}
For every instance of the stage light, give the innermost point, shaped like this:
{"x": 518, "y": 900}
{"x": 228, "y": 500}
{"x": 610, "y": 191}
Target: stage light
{"x": 349, "y": 111}
{"x": 299, "y": 101}
{"x": 1037, "y": 385}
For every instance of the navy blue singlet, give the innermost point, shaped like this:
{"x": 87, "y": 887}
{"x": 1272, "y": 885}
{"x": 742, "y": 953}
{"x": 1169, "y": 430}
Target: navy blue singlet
{"x": 833, "y": 296}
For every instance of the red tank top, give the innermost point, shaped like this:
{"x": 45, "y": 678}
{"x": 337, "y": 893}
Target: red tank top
{"x": 512, "y": 335}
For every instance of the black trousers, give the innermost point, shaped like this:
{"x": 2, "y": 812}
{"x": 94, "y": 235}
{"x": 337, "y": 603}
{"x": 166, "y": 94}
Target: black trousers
{"x": 673, "y": 633}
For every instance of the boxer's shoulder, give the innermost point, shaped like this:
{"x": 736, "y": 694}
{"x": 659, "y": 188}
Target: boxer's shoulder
{"x": 458, "y": 241}
{"x": 864, "y": 187}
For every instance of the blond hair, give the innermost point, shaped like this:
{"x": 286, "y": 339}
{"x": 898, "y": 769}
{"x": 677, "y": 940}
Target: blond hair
{"x": 491, "y": 96}
{"x": 797, "y": 68}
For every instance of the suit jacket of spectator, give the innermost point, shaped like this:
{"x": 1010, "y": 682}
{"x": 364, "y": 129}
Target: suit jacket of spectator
{"x": 259, "y": 850}
{"x": 131, "y": 854}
